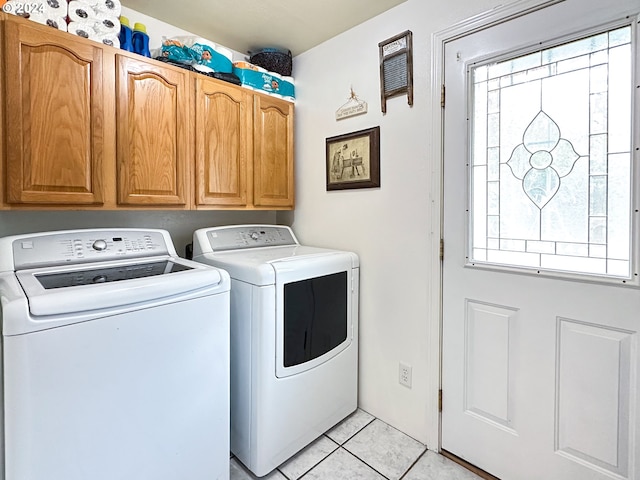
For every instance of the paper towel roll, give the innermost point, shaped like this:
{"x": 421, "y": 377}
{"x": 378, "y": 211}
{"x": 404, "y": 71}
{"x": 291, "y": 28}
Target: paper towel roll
{"x": 107, "y": 24}
{"x": 54, "y": 21}
{"x": 58, "y": 22}
{"x": 81, "y": 11}
{"x": 110, "y": 39}
{"x": 110, "y": 7}
{"x": 58, "y": 8}
{"x": 82, "y": 29}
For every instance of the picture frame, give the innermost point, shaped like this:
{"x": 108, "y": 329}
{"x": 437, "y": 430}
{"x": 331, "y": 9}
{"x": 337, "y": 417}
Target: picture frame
{"x": 353, "y": 160}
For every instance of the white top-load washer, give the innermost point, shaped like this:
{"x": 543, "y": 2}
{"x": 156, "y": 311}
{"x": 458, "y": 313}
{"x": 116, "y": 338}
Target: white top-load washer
{"x": 294, "y": 338}
{"x": 111, "y": 370}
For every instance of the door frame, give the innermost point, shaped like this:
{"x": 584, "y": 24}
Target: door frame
{"x": 438, "y": 42}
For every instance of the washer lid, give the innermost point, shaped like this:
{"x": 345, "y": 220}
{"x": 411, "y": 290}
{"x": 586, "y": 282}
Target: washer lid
{"x": 110, "y": 285}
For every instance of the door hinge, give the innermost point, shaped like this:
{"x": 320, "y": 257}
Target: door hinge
{"x": 442, "y": 96}
{"x": 441, "y": 249}
{"x": 440, "y": 400}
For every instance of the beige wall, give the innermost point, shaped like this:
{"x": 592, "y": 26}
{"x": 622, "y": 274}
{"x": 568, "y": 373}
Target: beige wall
{"x": 388, "y": 227}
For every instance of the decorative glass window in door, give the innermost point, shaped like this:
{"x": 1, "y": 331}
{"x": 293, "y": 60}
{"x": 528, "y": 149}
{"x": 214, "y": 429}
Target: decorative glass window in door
{"x": 551, "y": 169}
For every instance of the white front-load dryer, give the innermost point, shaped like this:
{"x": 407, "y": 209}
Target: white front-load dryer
{"x": 294, "y": 338}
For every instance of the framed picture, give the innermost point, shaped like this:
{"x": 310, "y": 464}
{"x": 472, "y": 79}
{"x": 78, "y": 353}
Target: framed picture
{"x": 353, "y": 160}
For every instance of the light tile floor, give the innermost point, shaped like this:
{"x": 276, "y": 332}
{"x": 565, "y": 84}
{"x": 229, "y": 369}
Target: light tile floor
{"x": 364, "y": 448}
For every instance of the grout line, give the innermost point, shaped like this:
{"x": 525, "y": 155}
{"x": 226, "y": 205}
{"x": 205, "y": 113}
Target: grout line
{"x": 373, "y": 419}
{"x": 414, "y": 463}
{"x": 315, "y": 464}
{"x": 400, "y": 431}
{"x": 285, "y": 475}
{"x": 354, "y": 433}
{"x": 332, "y": 452}
{"x": 371, "y": 467}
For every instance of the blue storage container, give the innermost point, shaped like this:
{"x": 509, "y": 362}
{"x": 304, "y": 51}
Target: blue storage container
{"x": 141, "y": 40}
{"x": 126, "y": 35}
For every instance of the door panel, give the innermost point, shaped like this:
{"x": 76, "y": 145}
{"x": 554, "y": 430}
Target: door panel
{"x": 55, "y": 135}
{"x": 273, "y": 152}
{"x": 488, "y": 349}
{"x": 153, "y": 139}
{"x": 223, "y": 144}
{"x": 606, "y": 354}
{"x": 540, "y": 353}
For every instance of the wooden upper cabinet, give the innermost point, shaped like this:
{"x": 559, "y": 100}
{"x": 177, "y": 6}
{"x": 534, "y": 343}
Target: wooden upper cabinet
{"x": 273, "y": 152}
{"x": 54, "y": 117}
{"x": 83, "y": 125}
{"x": 223, "y": 144}
{"x": 152, "y": 132}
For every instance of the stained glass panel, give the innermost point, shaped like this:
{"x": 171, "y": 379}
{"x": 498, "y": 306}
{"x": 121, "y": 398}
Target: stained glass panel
{"x": 551, "y": 158}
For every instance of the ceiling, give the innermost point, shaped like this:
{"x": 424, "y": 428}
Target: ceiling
{"x": 248, "y": 25}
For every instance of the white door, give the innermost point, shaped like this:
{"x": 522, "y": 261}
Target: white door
{"x": 541, "y": 297}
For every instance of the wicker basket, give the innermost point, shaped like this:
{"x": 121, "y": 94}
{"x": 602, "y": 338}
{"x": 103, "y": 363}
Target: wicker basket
{"x": 273, "y": 59}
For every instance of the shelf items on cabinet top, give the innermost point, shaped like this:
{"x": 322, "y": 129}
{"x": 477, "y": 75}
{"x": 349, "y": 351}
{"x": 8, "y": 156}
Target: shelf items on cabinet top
{"x": 87, "y": 126}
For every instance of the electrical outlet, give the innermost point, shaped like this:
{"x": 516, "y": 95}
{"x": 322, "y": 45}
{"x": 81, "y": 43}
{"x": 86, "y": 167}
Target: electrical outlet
{"x": 405, "y": 375}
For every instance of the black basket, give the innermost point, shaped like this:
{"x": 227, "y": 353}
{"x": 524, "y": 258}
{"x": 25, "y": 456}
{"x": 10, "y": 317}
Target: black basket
{"x": 273, "y": 59}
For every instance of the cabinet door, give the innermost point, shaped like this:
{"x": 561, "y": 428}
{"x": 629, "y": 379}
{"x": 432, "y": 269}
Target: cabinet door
{"x": 223, "y": 131}
{"x": 273, "y": 152}
{"x": 152, "y": 131}
{"x": 54, "y": 117}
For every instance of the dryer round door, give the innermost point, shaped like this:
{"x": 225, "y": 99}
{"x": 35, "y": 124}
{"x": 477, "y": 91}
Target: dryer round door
{"x": 314, "y": 310}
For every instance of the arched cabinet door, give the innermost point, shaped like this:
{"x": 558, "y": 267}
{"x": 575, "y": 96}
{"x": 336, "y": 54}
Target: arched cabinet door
{"x": 152, "y": 132}
{"x": 223, "y": 144}
{"x": 54, "y": 117}
{"x": 273, "y": 152}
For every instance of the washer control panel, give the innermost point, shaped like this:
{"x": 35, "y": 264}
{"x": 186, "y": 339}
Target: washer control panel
{"x": 250, "y": 236}
{"x": 82, "y": 246}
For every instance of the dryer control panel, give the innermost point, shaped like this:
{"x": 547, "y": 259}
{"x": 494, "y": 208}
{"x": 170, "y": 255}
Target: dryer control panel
{"x": 249, "y": 236}
{"x": 81, "y": 246}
